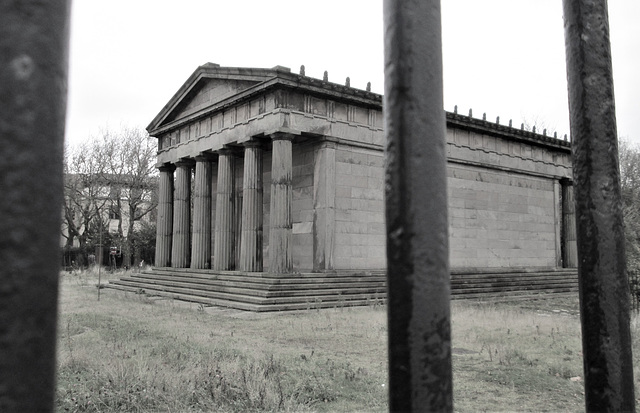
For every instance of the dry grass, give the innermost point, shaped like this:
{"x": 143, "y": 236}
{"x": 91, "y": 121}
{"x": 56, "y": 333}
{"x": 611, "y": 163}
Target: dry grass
{"x": 128, "y": 352}
{"x": 131, "y": 353}
{"x": 510, "y": 358}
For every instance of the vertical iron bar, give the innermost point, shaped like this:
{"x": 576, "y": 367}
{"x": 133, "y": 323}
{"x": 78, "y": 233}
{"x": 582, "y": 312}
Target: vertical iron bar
{"x": 34, "y": 38}
{"x": 604, "y": 291}
{"x": 633, "y": 287}
{"x": 632, "y": 295}
{"x": 99, "y": 266}
{"x": 420, "y": 377}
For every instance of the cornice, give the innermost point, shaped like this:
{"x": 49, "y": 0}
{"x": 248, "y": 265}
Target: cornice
{"x": 495, "y": 129}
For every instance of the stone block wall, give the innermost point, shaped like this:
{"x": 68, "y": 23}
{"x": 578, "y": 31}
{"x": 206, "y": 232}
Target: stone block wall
{"x": 359, "y": 209}
{"x": 500, "y": 219}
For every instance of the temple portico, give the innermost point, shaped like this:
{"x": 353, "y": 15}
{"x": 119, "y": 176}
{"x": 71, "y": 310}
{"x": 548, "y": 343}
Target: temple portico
{"x": 189, "y": 242}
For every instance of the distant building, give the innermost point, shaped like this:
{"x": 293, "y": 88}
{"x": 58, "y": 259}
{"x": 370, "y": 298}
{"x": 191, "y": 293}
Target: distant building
{"x": 86, "y": 195}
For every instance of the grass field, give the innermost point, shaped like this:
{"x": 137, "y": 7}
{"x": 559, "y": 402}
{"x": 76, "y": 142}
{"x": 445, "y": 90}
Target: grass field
{"x": 128, "y": 352}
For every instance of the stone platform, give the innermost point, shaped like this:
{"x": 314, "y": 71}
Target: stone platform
{"x": 259, "y": 292}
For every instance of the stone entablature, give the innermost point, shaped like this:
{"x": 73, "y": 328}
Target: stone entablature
{"x": 282, "y": 102}
{"x": 315, "y": 148}
{"x": 475, "y": 141}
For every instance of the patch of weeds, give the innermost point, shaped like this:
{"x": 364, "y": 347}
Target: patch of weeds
{"x": 313, "y": 389}
{"x": 320, "y": 382}
{"x": 246, "y": 385}
{"x": 81, "y": 389}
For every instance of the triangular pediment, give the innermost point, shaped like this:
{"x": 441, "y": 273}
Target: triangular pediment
{"x": 209, "y": 85}
{"x": 207, "y": 93}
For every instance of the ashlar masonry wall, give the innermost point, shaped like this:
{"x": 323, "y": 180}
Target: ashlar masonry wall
{"x": 505, "y": 198}
{"x": 505, "y": 206}
{"x": 500, "y": 219}
{"x": 359, "y": 217}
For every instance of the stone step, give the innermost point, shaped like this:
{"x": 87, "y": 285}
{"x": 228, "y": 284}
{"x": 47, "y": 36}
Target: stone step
{"x": 522, "y": 276}
{"x": 513, "y": 289}
{"x": 186, "y": 297}
{"x": 506, "y": 271}
{"x": 266, "y": 283}
{"x": 269, "y": 292}
{"x": 513, "y": 282}
{"x": 267, "y": 276}
{"x": 315, "y": 278}
{"x": 455, "y": 283}
{"x": 537, "y": 279}
{"x": 244, "y": 296}
{"x": 249, "y": 289}
{"x": 258, "y": 308}
{"x": 515, "y": 296}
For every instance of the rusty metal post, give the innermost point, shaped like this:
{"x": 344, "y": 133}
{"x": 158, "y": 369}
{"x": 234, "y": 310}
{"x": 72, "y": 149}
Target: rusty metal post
{"x": 604, "y": 292}
{"x": 420, "y": 377}
{"x": 33, "y": 87}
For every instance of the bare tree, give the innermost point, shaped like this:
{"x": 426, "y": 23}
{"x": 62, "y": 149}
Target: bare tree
{"x": 630, "y": 188}
{"x": 85, "y": 198}
{"x": 131, "y": 176}
{"x": 537, "y": 124}
{"x": 110, "y": 178}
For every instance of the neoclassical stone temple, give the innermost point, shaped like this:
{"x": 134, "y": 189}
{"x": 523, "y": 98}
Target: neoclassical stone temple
{"x": 271, "y": 197}
{"x": 287, "y": 175}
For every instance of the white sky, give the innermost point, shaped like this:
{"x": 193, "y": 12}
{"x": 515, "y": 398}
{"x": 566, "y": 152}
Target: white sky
{"x": 502, "y": 57}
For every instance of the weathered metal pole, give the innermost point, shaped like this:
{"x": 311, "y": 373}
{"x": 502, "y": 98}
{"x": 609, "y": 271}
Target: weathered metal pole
{"x": 604, "y": 292}
{"x": 420, "y": 377}
{"x": 33, "y": 89}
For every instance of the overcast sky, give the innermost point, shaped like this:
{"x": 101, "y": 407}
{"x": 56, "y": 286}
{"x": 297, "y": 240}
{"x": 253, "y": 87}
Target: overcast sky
{"x": 501, "y": 57}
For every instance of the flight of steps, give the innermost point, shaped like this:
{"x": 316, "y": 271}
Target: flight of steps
{"x": 513, "y": 284}
{"x": 259, "y": 291}
{"x": 269, "y": 292}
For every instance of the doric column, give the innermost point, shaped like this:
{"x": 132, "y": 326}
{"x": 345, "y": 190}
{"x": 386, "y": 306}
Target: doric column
{"x": 569, "y": 246}
{"x": 222, "y": 255}
{"x": 201, "y": 240}
{"x": 164, "y": 223}
{"x": 251, "y": 237}
{"x": 181, "y": 216}
{"x": 280, "y": 212}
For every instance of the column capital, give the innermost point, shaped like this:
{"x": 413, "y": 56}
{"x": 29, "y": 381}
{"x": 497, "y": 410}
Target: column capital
{"x": 227, "y": 151}
{"x": 253, "y": 143}
{"x": 167, "y": 167}
{"x": 204, "y": 157}
{"x": 326, "y": 142}
{"x": 279, "y": 136}
{"x": 566, "y": 181}
{"x": 184, "y": 162}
